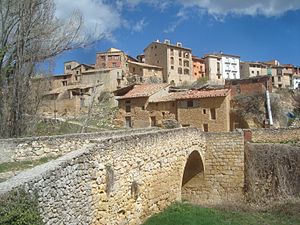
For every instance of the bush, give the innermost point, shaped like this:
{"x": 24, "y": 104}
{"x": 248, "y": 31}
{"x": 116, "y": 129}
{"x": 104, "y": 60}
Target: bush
{"x": 19, "y": 208}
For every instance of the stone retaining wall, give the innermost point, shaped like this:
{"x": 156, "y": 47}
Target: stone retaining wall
{"x": 275, "y": 135}
{"x": 23, "y": 149}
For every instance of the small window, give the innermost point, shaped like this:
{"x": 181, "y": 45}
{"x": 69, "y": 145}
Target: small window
{"x": 172, "y": 67}
{"x": 213, "y": 114}
{"x": 128, "y": 108}
{"x": 190, "y": 103}
{"x": 205, "y": 127}
{"x": 204, "y": 111}
{"x": 179, "y": 70}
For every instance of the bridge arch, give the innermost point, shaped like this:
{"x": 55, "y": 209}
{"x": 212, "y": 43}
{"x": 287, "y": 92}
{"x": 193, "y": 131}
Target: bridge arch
{"x": 192, "y": 177}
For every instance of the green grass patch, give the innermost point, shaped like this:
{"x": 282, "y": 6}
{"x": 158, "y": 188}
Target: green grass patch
{"x": 18, "y": 208}
{"x": 17, "y": 166}
{"x": 187, "y": 214}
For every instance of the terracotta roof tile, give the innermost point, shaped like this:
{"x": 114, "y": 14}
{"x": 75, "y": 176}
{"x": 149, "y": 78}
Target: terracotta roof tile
{"x": 194, "y": 94}
{"x": 143, "y": 90}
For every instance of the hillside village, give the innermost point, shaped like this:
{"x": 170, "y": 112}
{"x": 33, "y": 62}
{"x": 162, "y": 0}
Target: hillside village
{"x": 168, "y": 86}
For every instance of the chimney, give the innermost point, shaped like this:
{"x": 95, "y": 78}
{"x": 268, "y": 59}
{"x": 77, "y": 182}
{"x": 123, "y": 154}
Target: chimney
{"x": 179, "y": 44}
{"x": 167, "y": 41}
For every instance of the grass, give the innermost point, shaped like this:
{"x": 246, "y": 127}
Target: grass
{"x": 187, "y": 214}
{"x": 17, "y": 166}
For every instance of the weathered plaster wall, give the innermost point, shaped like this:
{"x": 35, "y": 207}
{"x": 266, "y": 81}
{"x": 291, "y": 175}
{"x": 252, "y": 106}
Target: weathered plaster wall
{"x": 125, "y": 179}
{"x": 22, "y": 149}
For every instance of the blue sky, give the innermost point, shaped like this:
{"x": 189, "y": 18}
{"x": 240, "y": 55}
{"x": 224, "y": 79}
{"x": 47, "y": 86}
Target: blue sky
{"x": 256, "y": 31}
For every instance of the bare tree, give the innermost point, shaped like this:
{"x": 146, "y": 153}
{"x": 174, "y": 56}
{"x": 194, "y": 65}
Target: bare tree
{"x": 29, "y": 34}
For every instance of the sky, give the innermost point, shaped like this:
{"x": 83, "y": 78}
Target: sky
{"x": 256, "y": 30}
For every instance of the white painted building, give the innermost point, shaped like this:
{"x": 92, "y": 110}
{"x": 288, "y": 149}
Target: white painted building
{"x": 296, "y": 81}
{"x": 220, "y": 67}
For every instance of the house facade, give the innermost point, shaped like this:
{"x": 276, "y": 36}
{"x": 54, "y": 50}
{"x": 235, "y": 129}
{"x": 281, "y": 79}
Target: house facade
{"x": 220, "y": 67}
{"x": 175, "y": 60}
{"x": 252, "y": 69}
{"x": 144, "y": 73}
{"x": 198, "y": 67}
{"x": 149, "y": 105}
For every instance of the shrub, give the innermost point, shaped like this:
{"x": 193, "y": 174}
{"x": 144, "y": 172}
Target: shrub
{"x": 19, "y": 208}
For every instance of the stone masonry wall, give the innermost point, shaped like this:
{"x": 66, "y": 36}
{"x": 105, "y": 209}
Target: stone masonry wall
{"x": 275, "y": 135}
{"x": 123, "y": 180}
{"x": 224, "y": 166}
{"x": 33, "y": 148}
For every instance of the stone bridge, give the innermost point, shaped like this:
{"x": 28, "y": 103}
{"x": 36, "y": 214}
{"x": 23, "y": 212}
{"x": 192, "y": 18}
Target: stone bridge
{"x": 124, "y": 179}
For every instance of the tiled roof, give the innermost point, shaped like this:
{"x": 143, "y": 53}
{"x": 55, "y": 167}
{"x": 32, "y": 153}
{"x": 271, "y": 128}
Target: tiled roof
{"x": 194, "y": 94}
{"x": 144, "y": 65}
{"x": 143, "y": 90}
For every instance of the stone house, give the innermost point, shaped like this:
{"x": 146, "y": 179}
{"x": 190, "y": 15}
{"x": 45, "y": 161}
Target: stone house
{"x": 136, "y": 107}
{"x": 208, "y": 110}
{"x": 175, "y": 60}
{"x": 111, "y": 59}
{"x": 144, "y": 73}
{"x": 253, "y": 69}
{"x": 146, "y": 105}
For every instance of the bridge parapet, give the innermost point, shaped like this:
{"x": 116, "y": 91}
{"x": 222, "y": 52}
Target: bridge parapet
{"x": 124, "y": 179}
{"x": 33, "y": 148}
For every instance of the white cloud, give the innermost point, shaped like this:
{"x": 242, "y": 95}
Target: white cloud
{"x": 100, "y": 18}
{"x": 139, "y": 26}
{"x": 180, "y": 17}
{"x": 243, "y": 7}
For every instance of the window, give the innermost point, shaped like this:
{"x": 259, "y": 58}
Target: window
{"x": 252, "y": 72}
{"x": 127, "y": 108}
{"x": 68, "y": 67}
{"x": 179, "y": 70}
{"x": 205, "y": 127}
{"x": 172, "y": 60}
{"x": 204, "y": 111}
{"x": 186, "y": 63}
{"x": 186, "y": 55}
{"x": 190, "y": 103}
{"x": 213, "y": 114}
{"x": 157, "y": 61}
{"x": 64, "y": 83}
{"x": 180, "y": 54}
{"x": 180, "y": 62}
{"x": 186, "y": 71}
{"x": 218, "y": 67}
{"x": 172, "y": 51}
{"x": 172, "y": 67}
{"x": 279, "y": 79}
{"x": 114, "y": 64}
{"x": 257, "y": 73}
